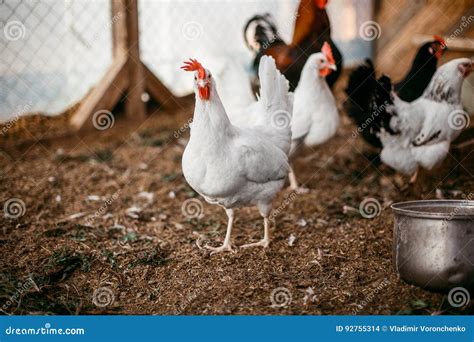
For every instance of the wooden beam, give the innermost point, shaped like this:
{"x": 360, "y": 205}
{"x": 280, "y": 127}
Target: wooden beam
{"x": 397, "y": 56}
{"x": 134, "y": 106}
{"x": 119, "y": 27}
{"x": 410, "y": 9}
{"x": 127, "y": 76}
{"x": 158, "y": 91}
{"x": 105, "y": 95}
{"x": 454, "y": 44}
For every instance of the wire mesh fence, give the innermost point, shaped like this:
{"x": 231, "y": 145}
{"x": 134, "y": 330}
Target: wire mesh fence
{"x": 210, "y": 30}
{"x": 52, "y": 52}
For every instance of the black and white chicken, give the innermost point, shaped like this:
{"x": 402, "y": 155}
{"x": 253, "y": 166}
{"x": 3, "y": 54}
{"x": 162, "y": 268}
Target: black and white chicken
{"x": 362, "y": 83}
{"x": 419, "y": 133}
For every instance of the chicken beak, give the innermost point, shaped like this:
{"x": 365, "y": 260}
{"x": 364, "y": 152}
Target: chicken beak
{"x": 327, "y": 69}
{"x": 439, "y": 50}
{"x": 466, "y": 71}
{"x": 204, "y": 92}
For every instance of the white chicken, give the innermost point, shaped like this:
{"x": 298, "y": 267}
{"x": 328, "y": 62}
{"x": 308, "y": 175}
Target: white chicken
{"x": 233, "y": 166}
{"x": 315, "y": 114}
{"x": 421, "y": 132}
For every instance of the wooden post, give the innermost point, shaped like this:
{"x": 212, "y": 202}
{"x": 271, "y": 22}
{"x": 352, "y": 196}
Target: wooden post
{"x": 119, "y": 27}
{"x": 134, "y": 106}
{"x": 127, "y": 76}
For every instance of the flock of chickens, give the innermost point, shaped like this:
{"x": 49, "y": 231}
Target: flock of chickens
{"x": 241, "y": 148}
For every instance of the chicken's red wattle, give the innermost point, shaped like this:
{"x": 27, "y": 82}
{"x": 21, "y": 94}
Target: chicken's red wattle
{"x": 204, "y": 92}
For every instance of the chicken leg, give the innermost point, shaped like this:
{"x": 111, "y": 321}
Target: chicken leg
{"x": 266, "y": 236}
{"x": 294, "y": 183}
{"x": 265, "y": 212}
{"x": 415, "y": 175}
{"x": 226, "y": 246}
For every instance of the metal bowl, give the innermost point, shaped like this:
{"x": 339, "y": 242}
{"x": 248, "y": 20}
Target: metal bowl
{"x": 433, "y": 244}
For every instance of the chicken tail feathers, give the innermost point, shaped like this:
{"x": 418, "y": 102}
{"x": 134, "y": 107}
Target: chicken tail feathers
{"x": 382, "y": 107}
{"x": 275, "y": 98}
{"x": 370, "y": 103}
{"x": 360, "y": 89}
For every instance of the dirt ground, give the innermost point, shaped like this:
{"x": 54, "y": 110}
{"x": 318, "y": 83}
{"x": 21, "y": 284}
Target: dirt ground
{"x": 103, "y": 231}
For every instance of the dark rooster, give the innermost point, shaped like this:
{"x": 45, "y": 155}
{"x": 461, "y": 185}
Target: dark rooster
{"x": 363, "y": 83}
{"x": 422, "y": 70}
{"x": 312, "y": 29}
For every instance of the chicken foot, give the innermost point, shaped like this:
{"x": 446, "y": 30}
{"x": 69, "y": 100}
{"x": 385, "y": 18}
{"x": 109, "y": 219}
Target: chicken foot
{"x": 266, "y": 236}
{"x": 414, "y": 176}
{"x": 294, "y": 183}
{"x": 226, "y": 246}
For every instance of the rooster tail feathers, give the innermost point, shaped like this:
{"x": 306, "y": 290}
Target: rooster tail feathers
{"x": 360, "y": 89}
{"x": 370, "y": 103}
{"x": 275, "y": 97}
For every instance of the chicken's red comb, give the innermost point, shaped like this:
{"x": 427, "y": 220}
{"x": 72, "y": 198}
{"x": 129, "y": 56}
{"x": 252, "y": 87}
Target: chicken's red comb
{"x": 321, "y": 3}
{"x": 194, "y": 65}
{"x": 440, "y": 40}
{"x": 327, "y": 51}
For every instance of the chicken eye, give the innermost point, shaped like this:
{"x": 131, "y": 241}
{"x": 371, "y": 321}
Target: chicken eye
{"x": 195, "y": 78}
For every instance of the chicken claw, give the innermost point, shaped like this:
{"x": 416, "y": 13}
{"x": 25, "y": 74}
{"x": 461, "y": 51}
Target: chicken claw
{"x": 223, "y": 248}
{"x": 294, "y": 183}
{"x": 266, "y": 236}
{"x": 262, "y": 243}
{"x": 414, "y": 177}
{"x": 299, "y": 189}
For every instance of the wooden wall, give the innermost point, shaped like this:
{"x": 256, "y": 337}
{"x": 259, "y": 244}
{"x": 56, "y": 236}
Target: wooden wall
{"x": 403, "y": 21}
